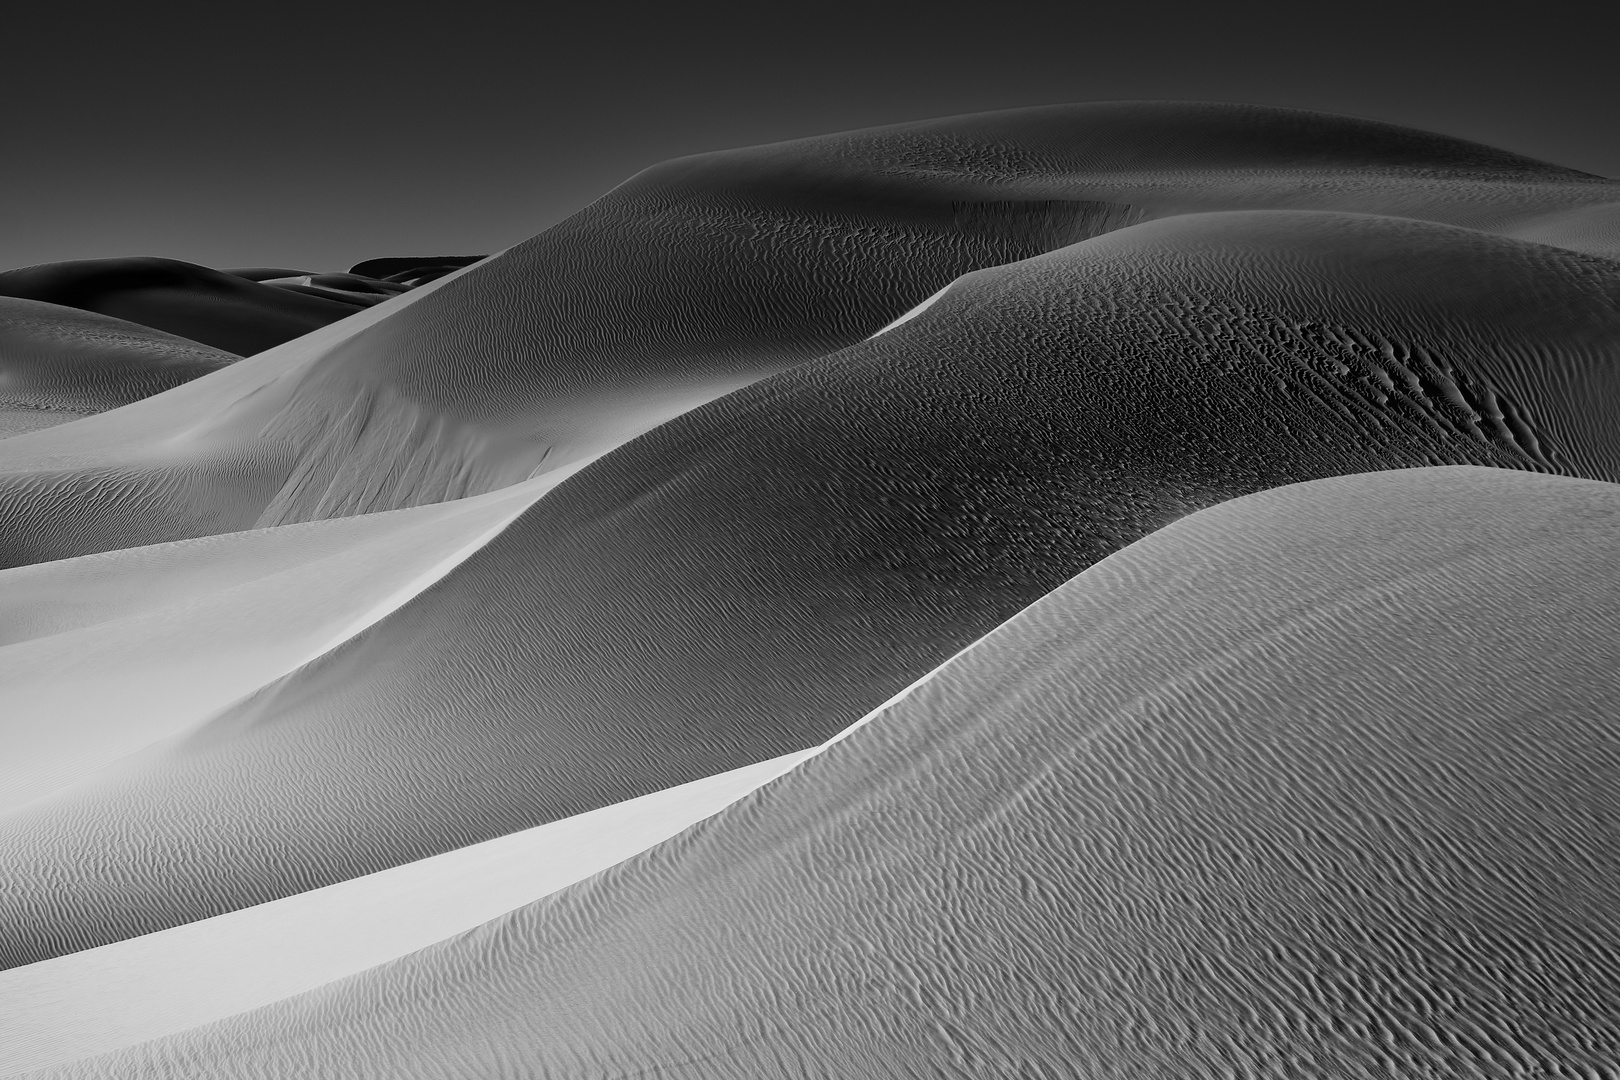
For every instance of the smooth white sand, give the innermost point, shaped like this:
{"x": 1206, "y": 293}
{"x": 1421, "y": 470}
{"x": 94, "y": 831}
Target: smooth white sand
{"x": 105, "y": 654}
{"x": 141, "y": 988}
{"x": 913, "y": 313}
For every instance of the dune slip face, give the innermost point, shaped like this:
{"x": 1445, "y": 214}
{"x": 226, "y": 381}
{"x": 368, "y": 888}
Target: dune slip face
{"x": 1262, "y": 461}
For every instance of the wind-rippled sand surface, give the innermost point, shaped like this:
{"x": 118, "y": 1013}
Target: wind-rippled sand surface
{"x": 1313, "y": 781}
{"x": 59, "y": 364}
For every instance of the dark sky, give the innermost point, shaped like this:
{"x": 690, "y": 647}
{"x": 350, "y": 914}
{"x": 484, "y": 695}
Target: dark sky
{"x": 314, "y": 136}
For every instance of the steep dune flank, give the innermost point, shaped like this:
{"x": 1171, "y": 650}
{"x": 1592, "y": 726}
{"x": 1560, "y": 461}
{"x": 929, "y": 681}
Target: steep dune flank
{"x": 745, "y": 580}
{"x": 1317, "y": 783}
{"x": 702, "y": 275}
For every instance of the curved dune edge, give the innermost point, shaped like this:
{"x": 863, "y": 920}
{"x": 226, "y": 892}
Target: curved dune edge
{"x": 529, "y": 364}
{"x": 60, "y": 364}
{"x": 1335, "y": 804}
{"x": 1594, "y": 230}
{"x": 914, "y": 312}
{"x": 106, "y": 654}
{"x": 146, "y": 465}
{"x": 142, "y": 988}
{"x": 172, "y": 421}
{"x": 226, "y": 311}
{"x": 99, "y": 1000}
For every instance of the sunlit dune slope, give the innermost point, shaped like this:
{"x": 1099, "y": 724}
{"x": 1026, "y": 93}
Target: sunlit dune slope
{"x": 133, "y": 476}
{"x": 1317, "y": 783}
{"x": 142, "y": 988}
{"x": 103, "y": 655}
{"x": 743, "y": 581}
{"x": 59, "y": 364}
{"x": 699, "y": 276}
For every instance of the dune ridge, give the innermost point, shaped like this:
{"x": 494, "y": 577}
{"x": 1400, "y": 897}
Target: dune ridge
{"x": 516, "y": 368}
{"x": 98, "y": 1000}
{"x": 161, "y": 630}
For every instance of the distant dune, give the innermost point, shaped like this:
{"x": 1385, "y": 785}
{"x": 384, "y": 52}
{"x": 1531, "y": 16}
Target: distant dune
{"x": 59, "y": 364}
{"x": 180, "y": 298}
{"x": 418, "y": 270}
{"x": 79, "y": 338}
{"x": 1264, "y": 462}
{"x": 701, "y": 275}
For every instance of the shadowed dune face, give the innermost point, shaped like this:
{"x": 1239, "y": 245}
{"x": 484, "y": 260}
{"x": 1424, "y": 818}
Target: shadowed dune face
{"x": 412, "y": 271}
{"x": 59, "y": 364}
{"x": 265, "y": 273}
{"x": 190, "y": 301}
{"x": 1319, "y": 783}
{"x": 745, "y": 580}
{"x": 704, "y": 274}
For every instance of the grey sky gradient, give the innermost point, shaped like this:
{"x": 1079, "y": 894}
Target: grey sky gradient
{"x": 317, "y": 136}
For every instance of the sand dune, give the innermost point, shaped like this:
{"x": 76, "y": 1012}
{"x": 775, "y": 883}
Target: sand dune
{"x": 1318, "y": 783}
{"x": 413, "y": 271}
{"x": 866, "y": 514}
{"x": 503, "y": 569}
{"x": 190, "y": 301}
{"x": 59, "y": 364}
{"x": 136, "y": 476}
{"x": 704, "y": 274}
{"x": 176, "y": 632}
{"x": 266, "y": 273}
{"x": 99, "y": 1000}
{"x": 1592, "y": 229}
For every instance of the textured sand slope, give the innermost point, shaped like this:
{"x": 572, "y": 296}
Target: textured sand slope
{"x": 191, "y": 301}
{"x": 703, "y": 274}
{"x": 744, "y": 581}
{"x": 59, "y": 364}
{"x": 105, "y": 654}
{"x": 132, "y": 991}
{"x": 151, "y": 472}
{"x": 1594, "y": 229}
{"x": 1318, "y": 783}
